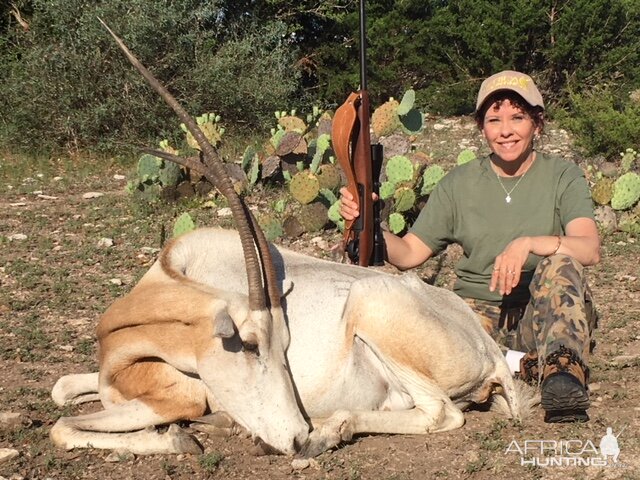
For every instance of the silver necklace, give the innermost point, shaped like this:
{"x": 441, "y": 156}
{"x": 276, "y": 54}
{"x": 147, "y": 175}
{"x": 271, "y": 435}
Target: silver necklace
{"x": 509, "y": 192}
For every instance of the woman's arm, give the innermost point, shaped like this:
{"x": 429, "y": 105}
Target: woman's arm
{"x": 581, "y": 242}
{"x": 407, "y": 251}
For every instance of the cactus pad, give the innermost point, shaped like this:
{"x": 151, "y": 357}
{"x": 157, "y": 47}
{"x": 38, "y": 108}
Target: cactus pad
{"x": 291, "y": 142}
{"x": 602, "y": 191}
{"x": 329, "y": 176}
{"x": 408, "y": 99}
{"x": 292, "y": 124}
{"x": 404, "y": 198}
{"x": 387, "y": 190}
{"x": 465, "y": 156}
{"x": 629, "y": 157}
{"x": 385, "y": 120}
{"x": 334, "y": 215}
{"x": 430, "y": 178}
{"x": 210, "y": 131}
{"x": 304, "y": 187}
{"x": 149, "y": 168}
{"x": 397, "y": 223}
{"x": 183, "y": 224}
{"x": 413, "y": 122}
{"x": 271, "y": 226}
{"x": 313, "y": 216}
{"x": 170, "y": 174}
{"x": 399, "y": 169}
{"x": 626, "y": 191}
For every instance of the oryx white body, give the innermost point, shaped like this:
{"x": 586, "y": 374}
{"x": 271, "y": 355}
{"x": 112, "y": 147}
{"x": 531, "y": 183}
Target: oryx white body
{"x": 368, "y": 352}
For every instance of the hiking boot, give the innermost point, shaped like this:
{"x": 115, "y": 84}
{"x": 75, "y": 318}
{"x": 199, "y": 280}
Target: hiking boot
{"x": 529, "y": 368}
{"x": 564, "y": 387}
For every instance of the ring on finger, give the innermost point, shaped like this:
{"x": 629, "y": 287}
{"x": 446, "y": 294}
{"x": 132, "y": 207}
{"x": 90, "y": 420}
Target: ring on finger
{"x": 511, "y": 272}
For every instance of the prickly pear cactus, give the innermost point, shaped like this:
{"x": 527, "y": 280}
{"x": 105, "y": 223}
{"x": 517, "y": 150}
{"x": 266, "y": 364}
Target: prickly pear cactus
{"x": 404, "y": 199}
{"x": 626, "y": 191}
{"x": 413, "y": 122}
{"x": 329, "y": 176}
{"x": 385, "y": 120}
{"x": 292, "y": 124}
{"x": 291, "y": 142}
{"x": 149, "y": 168}
{"x": 430, "y": 178}
{"x": 313, "y": 216}
{"x": 406, "y": 104}
{"x": 271, "y": 226}
{"x": 170, "y": 174}
{"x": 465, "y": 156}
{"x": 602, "y": 191}
{"x": 387, "y": 189}
{"x": 304, "y": 187}
{"x": 322, "y": 144}
{"x": 276, "y": 136}
{"x": 629, "y": 157}
{"x": 397, "y": 223}
{"x": 334, "y": 215}
{"x": 209, "y": 124}
{"x": 399, "y": 169}
{"x": 183, "y": 224}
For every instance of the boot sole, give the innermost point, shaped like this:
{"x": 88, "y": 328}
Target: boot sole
{"x": 564, "y": 399}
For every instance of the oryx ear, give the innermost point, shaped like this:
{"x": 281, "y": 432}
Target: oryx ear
{"x": 223, "y": 325}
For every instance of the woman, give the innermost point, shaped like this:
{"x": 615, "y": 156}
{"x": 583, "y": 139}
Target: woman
{"x": 525, "y": 223}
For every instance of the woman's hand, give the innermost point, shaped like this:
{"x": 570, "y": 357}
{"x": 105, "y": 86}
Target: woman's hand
{"x": 508, "y": 265}
{"x": 348, "y": 206}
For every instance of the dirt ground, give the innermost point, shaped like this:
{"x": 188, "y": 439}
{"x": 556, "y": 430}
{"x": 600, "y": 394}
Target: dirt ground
{"x": 64, "y": 258}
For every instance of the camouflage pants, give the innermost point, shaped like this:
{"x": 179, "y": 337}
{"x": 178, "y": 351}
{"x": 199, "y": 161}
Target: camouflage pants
{"x": 560, "y": 312}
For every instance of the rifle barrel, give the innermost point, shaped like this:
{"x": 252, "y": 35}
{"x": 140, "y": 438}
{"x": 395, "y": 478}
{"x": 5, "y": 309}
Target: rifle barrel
{"x": 363, "y": 47}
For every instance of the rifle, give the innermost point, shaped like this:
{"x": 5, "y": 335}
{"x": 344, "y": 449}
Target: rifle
{"x": 362, "y": 163}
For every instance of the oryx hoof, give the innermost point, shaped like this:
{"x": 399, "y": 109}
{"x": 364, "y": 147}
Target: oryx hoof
{"x": 183, "y": 442}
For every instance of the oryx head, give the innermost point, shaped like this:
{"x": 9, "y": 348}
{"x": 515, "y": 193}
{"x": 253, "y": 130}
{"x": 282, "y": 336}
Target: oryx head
{"x": 248, "y": 373}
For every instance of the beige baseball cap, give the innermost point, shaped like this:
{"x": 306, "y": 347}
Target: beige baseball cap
{"x": 514, "y": 81}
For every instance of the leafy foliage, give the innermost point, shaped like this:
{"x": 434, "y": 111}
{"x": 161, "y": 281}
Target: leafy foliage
{"x": 65, "y": 84}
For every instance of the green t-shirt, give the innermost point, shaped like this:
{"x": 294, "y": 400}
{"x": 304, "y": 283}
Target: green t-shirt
{"x": 468, "y": 207}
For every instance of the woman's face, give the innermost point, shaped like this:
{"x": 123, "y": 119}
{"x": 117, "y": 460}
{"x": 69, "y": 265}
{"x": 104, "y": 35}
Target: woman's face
{"x": 509, "y": 131}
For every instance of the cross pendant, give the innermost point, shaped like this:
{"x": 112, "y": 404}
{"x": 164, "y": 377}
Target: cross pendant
{"x": 508, "y": 198}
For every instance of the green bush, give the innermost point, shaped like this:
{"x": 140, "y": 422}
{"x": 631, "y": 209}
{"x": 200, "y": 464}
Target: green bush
{"x": 67, "y": 84}
{"x": 603, "y": 122}
{"x": 250, "y": 76}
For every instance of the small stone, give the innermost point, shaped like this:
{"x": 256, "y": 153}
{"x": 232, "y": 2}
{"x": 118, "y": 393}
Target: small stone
{"x": 105, "y": 242}
{"x": 625, "y": 360}
{"x": 57, "y": 179}
{"x": 90, "y": 195}
{"x": 117, "y": 176}
{"x": 10, "y": 418}
{"x": 224, "y": 212}
{"x": 300, "y": 463}
{"x": 18, "y": 204}
{"x": 47, "y": 197}
{"x": 118, "y": 456}
{"x": 594, "y": 387}
{"x": 66, "y": 348}
{"x": 17, "y": 236}
{"x": 115, "y": 281}
{"x": 7, "y": 454}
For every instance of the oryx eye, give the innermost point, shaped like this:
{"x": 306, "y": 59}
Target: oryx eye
{"x": 250, "y": 347}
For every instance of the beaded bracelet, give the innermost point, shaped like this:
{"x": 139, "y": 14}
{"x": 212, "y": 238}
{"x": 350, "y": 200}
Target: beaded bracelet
{"x": 557, "y": 246}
